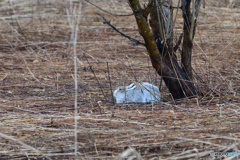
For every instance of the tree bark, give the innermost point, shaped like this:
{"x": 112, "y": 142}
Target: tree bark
{"x": 161, "y": 54}
{"x": 189, "y": 29}
{"x": 186, "y": 57}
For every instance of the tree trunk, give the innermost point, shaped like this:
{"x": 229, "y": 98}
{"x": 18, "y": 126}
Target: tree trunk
{"x": 186, "y": 57}
{"x": 159, "y": 46}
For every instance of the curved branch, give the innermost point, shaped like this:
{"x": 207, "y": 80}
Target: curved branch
{"x": 107, "y": 11}
{"x": 130, "y": 38}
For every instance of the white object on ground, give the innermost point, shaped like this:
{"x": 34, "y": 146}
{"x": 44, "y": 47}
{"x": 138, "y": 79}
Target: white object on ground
{"x": 137, "y": 93}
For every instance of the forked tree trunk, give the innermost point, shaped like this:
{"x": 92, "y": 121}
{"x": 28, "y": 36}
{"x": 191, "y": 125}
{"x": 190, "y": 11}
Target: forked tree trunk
{"x": 159, "y": 43}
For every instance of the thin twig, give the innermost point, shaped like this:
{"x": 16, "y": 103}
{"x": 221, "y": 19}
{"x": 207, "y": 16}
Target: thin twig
{"x": 17, "y": 19}
{"x": 130, "y": 38}
{"x": 95, "y": 76}
{"x": 109, "y": 12}
{"x": 6, "y": 137}
{"x": 178, "y": 43}
{"x": 38, "y": 9}
{"x": 172, "y": 7}
{"x": 110, "y": 84}
{"x": 21, "y": 57}
{"x": 4, "y": 77}
{"x": 74, "y": 22}
{"x": 175, "y": 19}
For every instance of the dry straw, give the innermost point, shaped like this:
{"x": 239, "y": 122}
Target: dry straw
{"x": 43, "y": 79}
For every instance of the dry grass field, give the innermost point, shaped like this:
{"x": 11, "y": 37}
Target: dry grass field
{"x": 37, "y": 86}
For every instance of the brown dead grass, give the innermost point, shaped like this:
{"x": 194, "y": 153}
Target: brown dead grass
{"x": 37, "y": 86}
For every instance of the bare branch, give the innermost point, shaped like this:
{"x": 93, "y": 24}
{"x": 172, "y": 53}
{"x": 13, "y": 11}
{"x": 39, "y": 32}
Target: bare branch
{"x": 130, "y": 38}
{"x": 198, "y": 3}
{"x": 172, "y": 7}
{"x": 149, "y": 7}
{"x": 94, "y": 75}
{"x": 110, "y": 84}
{"x": 107, "y": 11}
{"x": 176, "y": 14}
{"x": 178, "y": 43}
{"x": 192, "y": 21}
